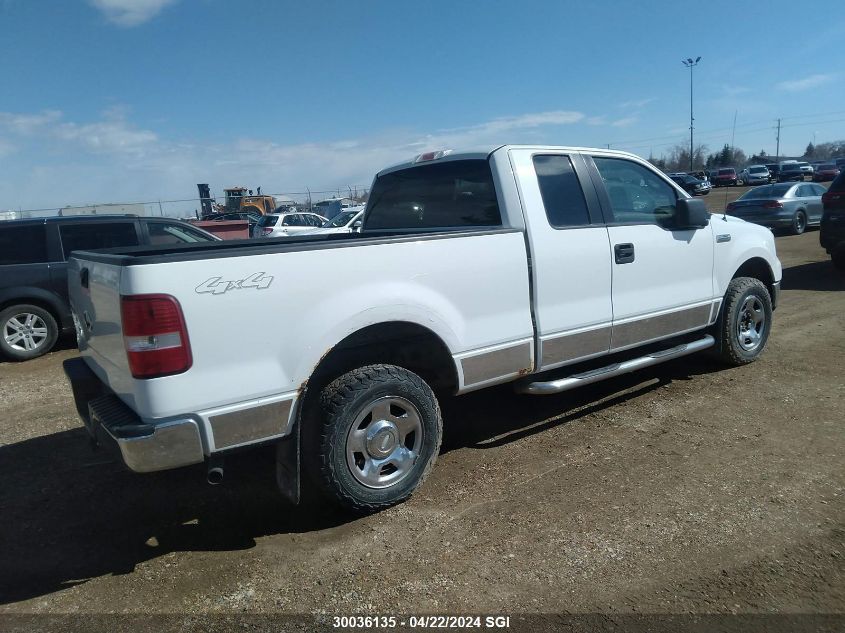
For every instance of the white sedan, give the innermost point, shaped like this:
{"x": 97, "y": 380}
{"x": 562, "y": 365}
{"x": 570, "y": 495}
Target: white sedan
{"x": 284, "y": 224}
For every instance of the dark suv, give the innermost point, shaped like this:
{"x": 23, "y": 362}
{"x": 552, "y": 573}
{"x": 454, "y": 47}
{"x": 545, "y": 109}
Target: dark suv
{"x": 832, "y": 232}
{"x": 33, "y": 270}
{"x": 789, "y": 172}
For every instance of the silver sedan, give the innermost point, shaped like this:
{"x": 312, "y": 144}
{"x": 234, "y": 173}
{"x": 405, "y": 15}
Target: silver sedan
{"x": 793, "y": 206}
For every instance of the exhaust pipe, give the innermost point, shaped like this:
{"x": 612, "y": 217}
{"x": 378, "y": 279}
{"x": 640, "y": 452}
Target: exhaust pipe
{"x": 214, "y": 475}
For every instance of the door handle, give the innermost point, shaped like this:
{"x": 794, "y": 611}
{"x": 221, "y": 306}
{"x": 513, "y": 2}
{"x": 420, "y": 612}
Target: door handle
{"x": 83, "y": 277}
{"x": 624, "y": 253}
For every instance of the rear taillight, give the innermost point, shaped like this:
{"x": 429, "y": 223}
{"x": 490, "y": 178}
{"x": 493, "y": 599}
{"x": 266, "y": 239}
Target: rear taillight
{"x": 772, "y": 204}
{"x": 730, "y": 206}
{"x": 155, "y": 335}
{"x": 829, "y": 197}
{"x": 267, "y": 230}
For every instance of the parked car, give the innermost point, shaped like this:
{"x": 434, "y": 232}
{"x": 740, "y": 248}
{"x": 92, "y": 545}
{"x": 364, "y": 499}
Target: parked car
{"x": 344, "y": 222}
{"x": 832, "y": 233}
{"x": 34, "y": 306}
{"x": 755, "y": 175}
{"x": 774, "y": 170}
{"x": 701, "y": 175}
{"x": 725, "y": 177}
{"x": 282, "y": 224}
{"x": 692, "y": 185}
{"x": 825, "y": 172}
{"x": 806, "y": 169}
{"x": 459, "y": 282}
{"x": 782, "y": 205}
{"x": 789, "y": 172}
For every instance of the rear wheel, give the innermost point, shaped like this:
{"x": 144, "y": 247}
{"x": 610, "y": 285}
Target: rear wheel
{"x": 378, "y": 434}
{"x": 742, "y": 330}
{"x": 27, "y": 331}
{"x": 799, "y": 223}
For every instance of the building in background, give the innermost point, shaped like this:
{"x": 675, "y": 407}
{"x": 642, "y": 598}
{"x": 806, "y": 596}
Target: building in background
{"x": 139, "y": 209}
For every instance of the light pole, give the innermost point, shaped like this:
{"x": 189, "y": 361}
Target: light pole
{"x": 690, "y": 64}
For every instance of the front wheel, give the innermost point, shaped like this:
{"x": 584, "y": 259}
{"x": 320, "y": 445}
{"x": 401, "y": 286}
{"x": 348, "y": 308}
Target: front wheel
{"x": 742, "y": 330}
{"x": 379, "y": 432}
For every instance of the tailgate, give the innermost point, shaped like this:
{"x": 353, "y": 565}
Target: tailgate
{"x": 94, "y": 290}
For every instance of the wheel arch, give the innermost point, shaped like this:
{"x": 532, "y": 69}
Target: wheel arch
{"x": 403, "y": 343}
{"x": 758, "y": 268}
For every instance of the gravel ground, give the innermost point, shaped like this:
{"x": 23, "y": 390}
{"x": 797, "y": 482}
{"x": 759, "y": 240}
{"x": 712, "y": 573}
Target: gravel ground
{"x": 684, "y": 488}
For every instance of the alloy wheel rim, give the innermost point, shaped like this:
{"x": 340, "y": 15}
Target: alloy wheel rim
{"x": 384, "y": 442}
{"x": 751, "y": 323}
{"x": 25, "y": 332}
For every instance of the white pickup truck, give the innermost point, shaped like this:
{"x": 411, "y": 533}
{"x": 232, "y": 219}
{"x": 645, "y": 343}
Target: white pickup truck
{"x": 547, "y": 267}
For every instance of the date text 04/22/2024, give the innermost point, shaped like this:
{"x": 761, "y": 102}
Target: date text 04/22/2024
{"x": 422, "y": 622}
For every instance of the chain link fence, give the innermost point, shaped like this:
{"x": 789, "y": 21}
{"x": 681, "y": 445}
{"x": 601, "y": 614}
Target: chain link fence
{"x": 193, "y": 207}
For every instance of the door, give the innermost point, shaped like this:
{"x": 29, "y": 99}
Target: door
{"x": 570, "y": 256}
{"x": 662, "y": 277}
{"x": 811, "y": 196}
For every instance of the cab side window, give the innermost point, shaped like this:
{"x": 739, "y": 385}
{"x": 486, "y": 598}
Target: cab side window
{"x": 637, "y": 195}
{"x": 562, "y": 195}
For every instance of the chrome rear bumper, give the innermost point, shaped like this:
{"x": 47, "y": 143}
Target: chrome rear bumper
{"x": 144, "y": 447}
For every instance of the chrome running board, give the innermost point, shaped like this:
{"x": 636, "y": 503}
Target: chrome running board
{"x": 539, "y": 388}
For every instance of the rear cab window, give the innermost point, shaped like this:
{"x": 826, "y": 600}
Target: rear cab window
{"x": 435, "y": 196}
{"x": 23, "y": 244}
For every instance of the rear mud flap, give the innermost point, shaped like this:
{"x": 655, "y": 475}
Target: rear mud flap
{"x": 287, "y": 466}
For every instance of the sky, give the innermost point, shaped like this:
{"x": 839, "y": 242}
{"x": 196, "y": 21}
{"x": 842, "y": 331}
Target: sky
{"x": 138, "y": 100}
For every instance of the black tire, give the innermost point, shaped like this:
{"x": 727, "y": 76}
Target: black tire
{"x": 731, "y": 346}
{"x": 21, "y": 329}
{"x": 337, "y": 471}
{"x": 799, "y": 223}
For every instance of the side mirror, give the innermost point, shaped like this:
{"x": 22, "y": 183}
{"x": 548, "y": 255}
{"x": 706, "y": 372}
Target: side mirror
{"x": 691, "y": 213}
{"x": 356, "y": 226}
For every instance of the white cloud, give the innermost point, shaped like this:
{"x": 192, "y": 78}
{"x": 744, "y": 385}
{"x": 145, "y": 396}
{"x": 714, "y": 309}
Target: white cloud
{"x": 596, "y": 120}
{"x": 636, "y": 103}
{"x": 130, "y": 13}
{"x": 628, "y": 120}
{"x": 113, "y": 134}
{"x": 110, "y": 160}
{"x": 799, "y": 85}
{"x": 6, "y": 148}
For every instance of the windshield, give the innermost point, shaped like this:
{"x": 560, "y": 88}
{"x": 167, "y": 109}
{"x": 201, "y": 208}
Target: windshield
{"x": 725, "y": 172}
{"x": 341, "y": 219}
{"x": 766, "y": 191}
{"x": 790, "y": 167}
{"x": 756, "y": 170}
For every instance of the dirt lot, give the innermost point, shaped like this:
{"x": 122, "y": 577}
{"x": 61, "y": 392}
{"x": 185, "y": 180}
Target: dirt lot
{"x": 685, "y": 488}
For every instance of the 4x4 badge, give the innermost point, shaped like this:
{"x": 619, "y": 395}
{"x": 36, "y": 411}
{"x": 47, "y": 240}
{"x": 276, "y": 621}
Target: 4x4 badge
{"x": 218, "y": 285}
